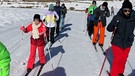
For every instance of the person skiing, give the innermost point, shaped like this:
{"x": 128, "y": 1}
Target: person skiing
{"x": 63, "y": 15}
{"x": 90, "y": 25}
{"x": 100, "y": 14}
{"x": 57, "y": 8}
{"x": 50, "y": 21}
{"x": 112, "y": 11}
{"x": 4, "y": 60}
{"x": 37, "y": 29}
{"x": 122, "y": 25}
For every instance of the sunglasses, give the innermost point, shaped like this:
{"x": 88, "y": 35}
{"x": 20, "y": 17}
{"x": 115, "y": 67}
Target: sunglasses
{"x": 126, "y": 10}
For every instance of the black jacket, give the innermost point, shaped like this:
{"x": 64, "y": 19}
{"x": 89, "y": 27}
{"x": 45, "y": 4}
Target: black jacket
{"x": 100, "y": 15}
{"x": 64, "y": 11}
{"x": 58, "y": 10}
{"x": 123, "y": 36}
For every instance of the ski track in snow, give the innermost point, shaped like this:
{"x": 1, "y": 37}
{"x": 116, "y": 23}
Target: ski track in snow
{"x": 72, "y": 54}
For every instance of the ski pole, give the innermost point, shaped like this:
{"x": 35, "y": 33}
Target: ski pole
{"x": 49, "y": 48}
{"x": 130, "y": 65}
{"x": 106, "y": 54}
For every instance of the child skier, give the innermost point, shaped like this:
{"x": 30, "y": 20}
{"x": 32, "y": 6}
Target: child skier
{"x": 50, "y": 19}
{"x": 4, "y": 61}
{"x": 90, "y": 25}
{"x": 37, "y": 29}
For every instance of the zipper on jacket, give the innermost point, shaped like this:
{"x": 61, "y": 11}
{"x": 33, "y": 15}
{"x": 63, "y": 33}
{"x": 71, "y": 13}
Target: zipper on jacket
{"x": 125, "y": 33}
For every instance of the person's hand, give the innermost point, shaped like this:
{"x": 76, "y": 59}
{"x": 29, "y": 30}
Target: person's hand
{"x": 56, "y": 19}
{"x": 22, "y": 28}
{"x": 43, "y": 20}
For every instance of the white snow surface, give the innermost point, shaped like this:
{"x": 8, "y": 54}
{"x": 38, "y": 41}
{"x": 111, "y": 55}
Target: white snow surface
{"x": 72, "y": 54}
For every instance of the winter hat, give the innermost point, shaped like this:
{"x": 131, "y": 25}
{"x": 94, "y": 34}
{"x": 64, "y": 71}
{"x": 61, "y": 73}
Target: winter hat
{"x": 94, "y": 2}
{"x": 63, "y": 4}
{"x": 57, "y": 2}
{"x": 127, "y": 4}
{"x": 51, "y": 7}
{"x": 37, "y": 17}
{"x": 105, "y": 4}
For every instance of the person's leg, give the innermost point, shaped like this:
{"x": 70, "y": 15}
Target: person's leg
{"x": 57, "y": 28}
{"x": 32, "y": 56}
{"x": 41, "y": 55}
{"x": 47, "y": 34}
{"x": 5, "y": 67}
{"x": 124, "y": 57}
{"x": 52, "y": 34}
{"x": 91, "y": 28}
{"x": 95, "y": 34}
{"x": 102, "y": 33}
{"x": 117, "y": 53}
{"x": 63, "y": 22}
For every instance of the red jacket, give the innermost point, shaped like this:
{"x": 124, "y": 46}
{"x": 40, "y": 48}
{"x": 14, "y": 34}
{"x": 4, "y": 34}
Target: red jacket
{"x": 41, "y": 29}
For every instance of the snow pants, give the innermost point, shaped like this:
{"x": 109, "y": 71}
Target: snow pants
{"x": 96, "y": 35}
{"x": 50, "y": 34}
{"x": 36, "y": 43}
{"x": 5, "y": 67}
{"x": 62, "y": 20}
{"x": 58, "y": 26}
{"x": 120, "y": 56}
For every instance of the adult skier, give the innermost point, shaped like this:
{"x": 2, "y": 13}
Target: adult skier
{"x": 122, "y": 25}
{"x": 100, "y": 15}
{"x": 57, "y": 8}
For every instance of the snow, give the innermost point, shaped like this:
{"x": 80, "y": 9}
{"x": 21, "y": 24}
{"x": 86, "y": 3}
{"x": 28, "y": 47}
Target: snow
{"x": 72, "y": 54}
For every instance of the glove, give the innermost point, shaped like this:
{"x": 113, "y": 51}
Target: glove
{"x": 90, "y": 11}
{"x": 55, "y": 16}
{"x": 56, "y": 19}
{"x": 22, "y": 28}
{"x": 43, "y": 20}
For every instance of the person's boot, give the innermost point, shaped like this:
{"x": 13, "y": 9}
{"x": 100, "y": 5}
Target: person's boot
{"x": 121, "y": 74}
{"x": 101, "y": 45}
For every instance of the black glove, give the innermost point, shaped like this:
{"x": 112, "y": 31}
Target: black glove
{"x": 90, "y": 11}
{"x": 44, "y": 20}
{"x": 55, "y": 16}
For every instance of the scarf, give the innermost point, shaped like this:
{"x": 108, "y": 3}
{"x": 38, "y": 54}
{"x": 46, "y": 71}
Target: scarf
{"x": 35, "y": 32}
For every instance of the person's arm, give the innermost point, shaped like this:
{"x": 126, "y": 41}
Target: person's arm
{"x": 56, "y": 15}
{"x": 96, "y": 14}
{"x": 113, "y": 24}
{"x": 65, "y": 10}
{"x": 107, "y": 12}
{"x": 44, "y": 16}
{"x": 43, "y": 29}
{"x": 89, "y": 10}
{"x": 27, "y": 29}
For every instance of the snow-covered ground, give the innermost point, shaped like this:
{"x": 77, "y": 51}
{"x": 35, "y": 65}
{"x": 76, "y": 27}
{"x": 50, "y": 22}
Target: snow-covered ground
{"x": 72, "y": 53}
{"x": 81, "y": 5}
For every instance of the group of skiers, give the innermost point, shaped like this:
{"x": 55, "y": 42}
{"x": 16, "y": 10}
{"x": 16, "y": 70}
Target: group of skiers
{"x": 122, "y": 28}
{"x": 53, "y": 21}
